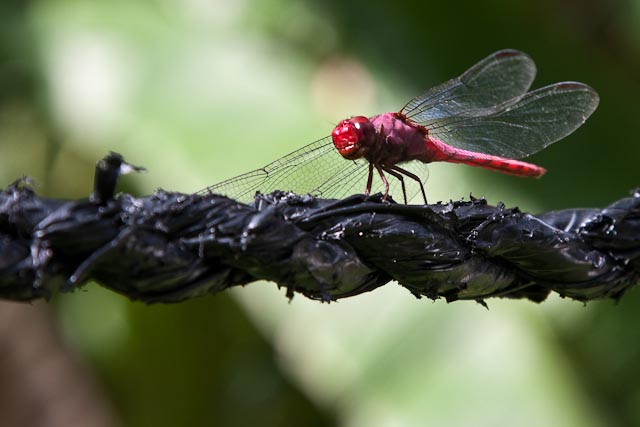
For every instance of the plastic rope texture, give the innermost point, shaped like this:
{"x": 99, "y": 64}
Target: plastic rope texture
{"x": 168, "y": 247}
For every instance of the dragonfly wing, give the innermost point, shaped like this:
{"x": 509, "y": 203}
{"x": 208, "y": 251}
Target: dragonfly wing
{"x": 316, "y": 169}
{"x": 519, "y": 129}
{"x": 502, "y": 76}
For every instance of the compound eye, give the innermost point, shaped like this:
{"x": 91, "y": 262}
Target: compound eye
{"x": 358, "y": 121}
{"x": 350, "y": 136}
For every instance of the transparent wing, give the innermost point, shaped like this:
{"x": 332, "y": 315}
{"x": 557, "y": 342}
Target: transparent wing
{"x": 316, "y": 169}
{"x": 310, "y": 169}
{"x": 502, "y": 76}
{"x": 521, "y": 128}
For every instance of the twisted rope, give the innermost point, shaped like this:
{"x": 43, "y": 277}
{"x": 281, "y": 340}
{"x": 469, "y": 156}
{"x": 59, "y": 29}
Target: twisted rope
{"x": 168, "y": 246}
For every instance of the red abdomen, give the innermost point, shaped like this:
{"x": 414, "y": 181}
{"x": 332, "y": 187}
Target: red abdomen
{"x": 442, "y": 152}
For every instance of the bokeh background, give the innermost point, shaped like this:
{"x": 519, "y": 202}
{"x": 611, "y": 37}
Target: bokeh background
{"x": 200, "y": 90}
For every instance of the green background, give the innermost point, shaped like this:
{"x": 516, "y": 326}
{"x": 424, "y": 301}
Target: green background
{"x": 198, "y": 91}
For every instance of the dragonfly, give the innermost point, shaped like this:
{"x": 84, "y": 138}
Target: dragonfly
{"x": 486, "y": 117}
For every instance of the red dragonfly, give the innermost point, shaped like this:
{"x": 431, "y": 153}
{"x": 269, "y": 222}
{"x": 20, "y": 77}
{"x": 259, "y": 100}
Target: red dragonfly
{"x": 485, "y": 118}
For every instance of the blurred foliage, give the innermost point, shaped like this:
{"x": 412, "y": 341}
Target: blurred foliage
{"x": 195, "y": 363}
{"x": 200, "y": 90}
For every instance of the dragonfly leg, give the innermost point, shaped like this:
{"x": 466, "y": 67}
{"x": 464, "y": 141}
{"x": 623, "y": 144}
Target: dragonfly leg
{"x": 367, "y": 190}
{"x": 412, "y": 176}
{"x": 398, "y": 176}
{"x": 384, "y": 181}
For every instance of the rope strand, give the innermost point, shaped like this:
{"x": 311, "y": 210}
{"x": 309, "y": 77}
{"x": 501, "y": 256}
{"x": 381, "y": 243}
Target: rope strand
{"x": 168, "y": 246}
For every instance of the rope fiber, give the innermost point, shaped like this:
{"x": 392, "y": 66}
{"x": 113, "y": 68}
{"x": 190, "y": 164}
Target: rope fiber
{"x": 168, "y": 247}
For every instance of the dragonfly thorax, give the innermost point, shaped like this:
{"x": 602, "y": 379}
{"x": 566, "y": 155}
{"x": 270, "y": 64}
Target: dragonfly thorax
{"x": 353, "y": 137}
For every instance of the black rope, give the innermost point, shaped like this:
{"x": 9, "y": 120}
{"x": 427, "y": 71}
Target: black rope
{"x": 169, "y": 246}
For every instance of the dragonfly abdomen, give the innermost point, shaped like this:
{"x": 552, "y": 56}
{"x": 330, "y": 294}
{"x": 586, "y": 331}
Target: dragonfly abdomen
{"x": 441, "y": 152}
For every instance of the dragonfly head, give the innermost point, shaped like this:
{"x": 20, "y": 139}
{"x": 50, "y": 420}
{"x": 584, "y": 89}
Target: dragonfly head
{"x": 353, "y": 137}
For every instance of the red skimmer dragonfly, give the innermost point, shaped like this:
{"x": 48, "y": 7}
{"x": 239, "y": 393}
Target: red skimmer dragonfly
{"x": 485, "y": 118}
